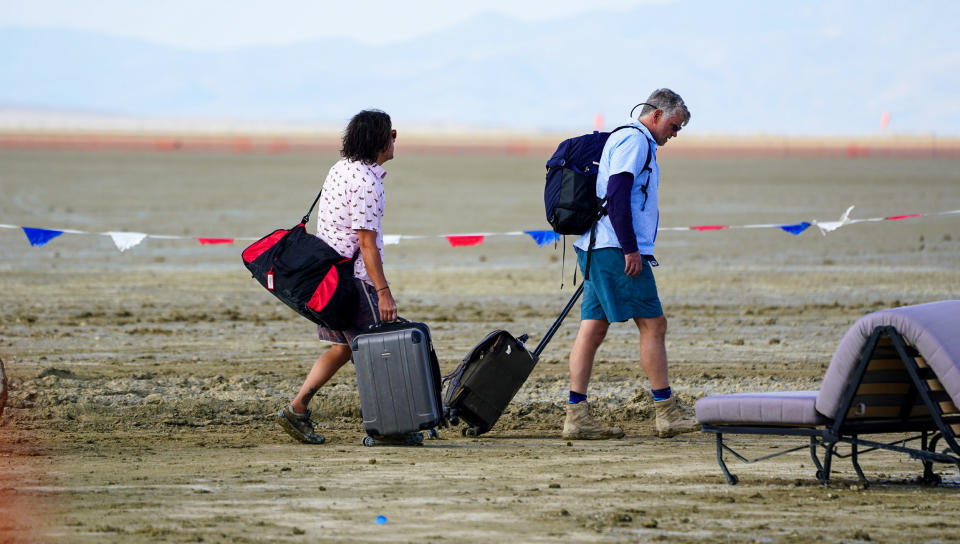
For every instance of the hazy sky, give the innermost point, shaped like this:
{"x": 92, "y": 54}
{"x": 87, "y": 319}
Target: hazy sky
{"x": 217, "y": 24}
{"x": 747, "y": 66}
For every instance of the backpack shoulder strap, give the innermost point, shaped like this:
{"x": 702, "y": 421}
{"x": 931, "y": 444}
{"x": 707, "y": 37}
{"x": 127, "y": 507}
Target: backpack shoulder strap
{"x": 603, "y": 205}
{"x": 624, "y": 126}
{"x": 646, "y": 166}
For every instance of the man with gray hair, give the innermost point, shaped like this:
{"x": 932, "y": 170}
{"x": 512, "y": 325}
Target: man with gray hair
{"x": 621, "y": 284}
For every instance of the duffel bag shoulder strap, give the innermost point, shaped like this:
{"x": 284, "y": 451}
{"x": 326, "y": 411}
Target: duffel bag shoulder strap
{"x": 306, "y": 218}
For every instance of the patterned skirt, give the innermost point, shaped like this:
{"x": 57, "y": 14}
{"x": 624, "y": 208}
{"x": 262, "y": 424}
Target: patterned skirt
{"x": 368, "y": 314}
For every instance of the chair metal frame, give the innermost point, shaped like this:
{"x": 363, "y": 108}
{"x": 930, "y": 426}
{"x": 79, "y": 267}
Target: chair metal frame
{"x": 844, "y": 430}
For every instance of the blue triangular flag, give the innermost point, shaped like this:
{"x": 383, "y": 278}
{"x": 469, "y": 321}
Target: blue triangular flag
{"x": 39, "y": 237}
{"x": 797, "y": 228}
{"x": 543, "y": 237}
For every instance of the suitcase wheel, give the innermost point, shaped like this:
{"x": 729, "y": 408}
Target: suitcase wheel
{"x": 469, "y": 431}
{"x": 412, "y": 439}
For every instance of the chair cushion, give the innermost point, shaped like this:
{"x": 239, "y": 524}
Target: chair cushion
{"x": 934, "y": 329}
{"x": 778, "y": 408}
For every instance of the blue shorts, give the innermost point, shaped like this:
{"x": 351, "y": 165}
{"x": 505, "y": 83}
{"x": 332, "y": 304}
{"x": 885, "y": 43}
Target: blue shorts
{"x": 613, "y": 296}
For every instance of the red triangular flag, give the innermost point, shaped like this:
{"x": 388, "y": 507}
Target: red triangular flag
{"x": 467, "y": 240}
{"x": 205, "y": 241}
{"x": 702, "y": 228}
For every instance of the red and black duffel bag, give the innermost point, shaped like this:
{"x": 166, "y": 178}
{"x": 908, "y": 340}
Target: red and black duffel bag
{"x": 306, "y": 274}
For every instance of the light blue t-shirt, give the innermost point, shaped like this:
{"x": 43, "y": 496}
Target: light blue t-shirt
{"x": 626, "y": 151}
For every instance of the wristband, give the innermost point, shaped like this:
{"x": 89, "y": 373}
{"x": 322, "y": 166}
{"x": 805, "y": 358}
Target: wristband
{"x": 382, "y": 288}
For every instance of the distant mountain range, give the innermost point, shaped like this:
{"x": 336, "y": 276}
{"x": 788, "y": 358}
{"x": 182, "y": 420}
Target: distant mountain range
{"x": 743, "y": 67}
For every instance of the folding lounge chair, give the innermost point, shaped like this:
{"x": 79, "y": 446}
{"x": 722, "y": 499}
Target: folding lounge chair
{"x": 895, "y": 371}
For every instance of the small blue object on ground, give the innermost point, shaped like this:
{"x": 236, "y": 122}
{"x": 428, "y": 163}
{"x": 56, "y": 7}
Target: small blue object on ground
{"x": 381, "y": 520}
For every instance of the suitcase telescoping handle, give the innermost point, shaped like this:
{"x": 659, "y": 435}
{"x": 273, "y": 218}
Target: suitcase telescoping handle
{"x": 556, "y": 324}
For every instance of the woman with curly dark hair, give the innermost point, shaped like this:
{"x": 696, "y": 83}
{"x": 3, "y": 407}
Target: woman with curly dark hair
{"x": 348, "y": 218}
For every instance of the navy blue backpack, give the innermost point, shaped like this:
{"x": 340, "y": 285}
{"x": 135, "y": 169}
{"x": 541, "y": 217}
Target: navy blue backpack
{"x": 570, "y": 194}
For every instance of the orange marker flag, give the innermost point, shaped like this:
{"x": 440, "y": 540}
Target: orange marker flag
{"x": 598, "y": 121}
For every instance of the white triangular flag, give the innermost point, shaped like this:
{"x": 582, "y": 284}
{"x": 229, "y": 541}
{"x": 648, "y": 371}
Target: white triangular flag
{"x": 126, "y": 240}
{"x": 830, "y": 226}
{"x": 391, "y": 239}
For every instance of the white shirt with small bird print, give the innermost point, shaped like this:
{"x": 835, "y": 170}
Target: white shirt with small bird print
{"x": 352, "y": 199}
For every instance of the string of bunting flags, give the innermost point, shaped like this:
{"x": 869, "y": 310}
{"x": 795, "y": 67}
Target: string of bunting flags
{"x": 125, "y": 240}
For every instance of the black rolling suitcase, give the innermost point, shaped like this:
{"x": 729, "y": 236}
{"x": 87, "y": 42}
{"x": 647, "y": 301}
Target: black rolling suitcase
{"x": 482, "y": 386}
{"x": 398, "y": 378}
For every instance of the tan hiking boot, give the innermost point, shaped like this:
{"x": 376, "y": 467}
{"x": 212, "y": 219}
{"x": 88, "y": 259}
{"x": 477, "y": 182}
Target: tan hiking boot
{"x": 580, "y": 426}
{"x": 671, "y": 421}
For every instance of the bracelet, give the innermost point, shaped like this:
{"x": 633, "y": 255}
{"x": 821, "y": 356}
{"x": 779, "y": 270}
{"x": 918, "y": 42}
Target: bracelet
{"x": 382, "y": 288}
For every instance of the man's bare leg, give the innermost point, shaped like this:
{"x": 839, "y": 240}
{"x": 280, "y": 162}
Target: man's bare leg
{"x": 578, "y": 423}
{"x": 589, "y": 337}
{"x": 653, "y": 350}
{"x": 653, "y": 358}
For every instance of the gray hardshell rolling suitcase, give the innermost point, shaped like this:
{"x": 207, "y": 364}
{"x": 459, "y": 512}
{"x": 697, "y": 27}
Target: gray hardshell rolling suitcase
{"x": 398, "y": 377}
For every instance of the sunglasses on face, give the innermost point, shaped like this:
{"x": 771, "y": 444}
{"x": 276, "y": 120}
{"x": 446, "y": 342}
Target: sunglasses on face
{"x": 675, "y": 127}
